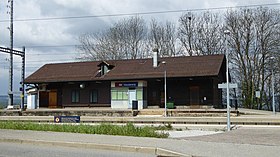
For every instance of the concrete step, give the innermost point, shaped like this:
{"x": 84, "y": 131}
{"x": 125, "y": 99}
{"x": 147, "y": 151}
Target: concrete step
{"x": 151, "y": 112}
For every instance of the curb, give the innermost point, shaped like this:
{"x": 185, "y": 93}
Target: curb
{"x": 138, "y": 149}
{"x": 263, "y": 120}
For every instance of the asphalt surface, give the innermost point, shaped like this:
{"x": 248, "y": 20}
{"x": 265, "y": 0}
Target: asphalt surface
{"x": 244, "y": 141}
{"x": 31, "y": 150}
{"x": 267, "y": 136}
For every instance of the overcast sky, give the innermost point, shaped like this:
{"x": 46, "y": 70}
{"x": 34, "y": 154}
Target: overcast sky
{"x": 35, "y": 34}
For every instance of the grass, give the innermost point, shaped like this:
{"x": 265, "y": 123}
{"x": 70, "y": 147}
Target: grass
{"x": 105, "y": 129}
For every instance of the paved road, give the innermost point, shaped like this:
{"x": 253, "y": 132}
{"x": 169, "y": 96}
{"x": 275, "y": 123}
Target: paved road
{"x": 247, "y": 142}
{"x": 267, "y": 136}
{"x": 29, "y": 150}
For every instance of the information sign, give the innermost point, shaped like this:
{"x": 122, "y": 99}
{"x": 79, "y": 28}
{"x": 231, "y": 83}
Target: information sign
{"x": 67, "y": 119}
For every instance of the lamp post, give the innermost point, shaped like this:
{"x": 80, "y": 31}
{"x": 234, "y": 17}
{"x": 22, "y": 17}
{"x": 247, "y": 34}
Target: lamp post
{"x": 165, "y": 99}
{"x": 273, "y": 98}
{"x": 227, "y": 33}
{"x": 155, "y": 65}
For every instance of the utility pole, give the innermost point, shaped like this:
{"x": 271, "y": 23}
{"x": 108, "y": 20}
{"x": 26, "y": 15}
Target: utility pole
{"x": 22, "y": 55}
{"x": 22, "y": 78}
{"x": 10, "y": 92}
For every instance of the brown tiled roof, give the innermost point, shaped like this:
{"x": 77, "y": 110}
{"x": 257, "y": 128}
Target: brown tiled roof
{"x": 194, "y": 66}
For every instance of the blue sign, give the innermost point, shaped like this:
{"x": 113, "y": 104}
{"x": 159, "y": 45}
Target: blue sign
{"x": 126, "y": 84}
{"x": 67, "y": 119}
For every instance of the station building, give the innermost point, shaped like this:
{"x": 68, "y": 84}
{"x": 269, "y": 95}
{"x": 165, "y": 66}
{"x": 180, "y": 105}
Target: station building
{"x": 191, "y": 82}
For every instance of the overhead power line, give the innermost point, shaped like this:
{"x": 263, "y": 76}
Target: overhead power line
{"x": 53, "y": 53}
{"x": 44, "y": 61}
{"x": 138, "y": 13}
{"x": 54, "y": 46}
{"x": 49, "y": 46}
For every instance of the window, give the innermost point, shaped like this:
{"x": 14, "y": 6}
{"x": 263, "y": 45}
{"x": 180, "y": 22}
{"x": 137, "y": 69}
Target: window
{"x": 114, "y": 94}
{"x": 104, "y": 69}
{"x": 124, "y": 95}
{"x": 93, "y": 96}
{"x": 119, "y": 94}
{"x": 75, "y": 96}
{"x": 139, "y": 93}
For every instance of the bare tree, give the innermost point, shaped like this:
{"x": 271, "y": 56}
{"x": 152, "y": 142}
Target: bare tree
{"x": 163, "y": 37}
{"x": 124, "y": 40}
{"x": 185, "y": 32}
{"x": 209, "y": 34}
{"x": 200, "y": 34}
{"x": 134, "y": 31}
{"x": 252, "y": 43}
{"x": 240, "y": 24}
{"x": 267, "y": 29}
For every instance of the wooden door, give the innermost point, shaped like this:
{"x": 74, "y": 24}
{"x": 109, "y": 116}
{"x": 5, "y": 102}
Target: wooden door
{"x": 43, "y": 99}
{"x": 194, "y": 95}
{"x": 52, "y": 99}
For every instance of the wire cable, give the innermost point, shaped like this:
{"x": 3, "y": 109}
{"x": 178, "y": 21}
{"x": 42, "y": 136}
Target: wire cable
{"x": 138, "y": 13}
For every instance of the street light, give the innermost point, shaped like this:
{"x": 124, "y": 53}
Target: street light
{"x": 165, "y": 99}
{"x": 155, "y": 64}
{"x": 227, "y": 33}
{"x": 273, "y": 99}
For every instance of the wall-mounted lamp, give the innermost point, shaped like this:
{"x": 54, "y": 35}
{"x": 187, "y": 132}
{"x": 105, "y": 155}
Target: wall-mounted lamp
{"x": 82, "y": 85}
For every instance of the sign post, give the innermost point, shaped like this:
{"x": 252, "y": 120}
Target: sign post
{"x": 227, "y": 86}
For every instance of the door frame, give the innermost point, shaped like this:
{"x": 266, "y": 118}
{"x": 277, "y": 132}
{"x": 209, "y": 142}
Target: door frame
{"x": 194, "y": 95}
{"x": 131, "y": 97}
{"x": 53, "y": 99}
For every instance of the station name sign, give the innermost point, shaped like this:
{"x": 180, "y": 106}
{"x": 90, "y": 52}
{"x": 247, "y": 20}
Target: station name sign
{"x": 67, "y": 119}
{"x": 126, "y": 84}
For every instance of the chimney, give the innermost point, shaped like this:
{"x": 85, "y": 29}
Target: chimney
{"x": 155, "y": 57}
